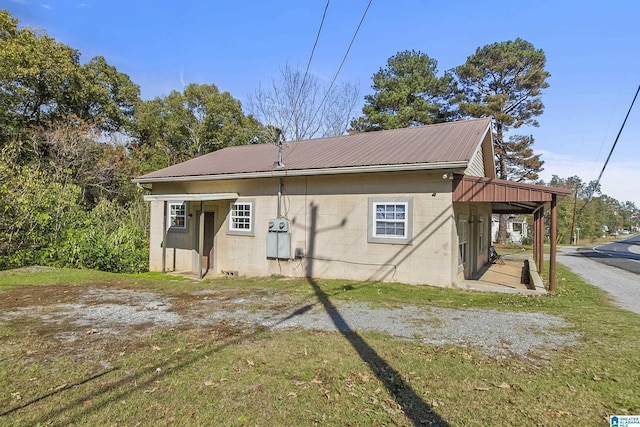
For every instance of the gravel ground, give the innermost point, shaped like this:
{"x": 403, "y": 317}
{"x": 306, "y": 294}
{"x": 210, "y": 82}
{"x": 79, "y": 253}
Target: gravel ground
{"x": 107, "y": 311}
{"x": 623, "y": 286}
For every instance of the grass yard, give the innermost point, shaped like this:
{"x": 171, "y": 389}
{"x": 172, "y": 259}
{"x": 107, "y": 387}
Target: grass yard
{"x": 65, "y": 373}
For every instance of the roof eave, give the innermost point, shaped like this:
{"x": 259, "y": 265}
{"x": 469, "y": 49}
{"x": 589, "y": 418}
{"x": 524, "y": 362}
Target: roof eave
{"x": 454, "y": 166}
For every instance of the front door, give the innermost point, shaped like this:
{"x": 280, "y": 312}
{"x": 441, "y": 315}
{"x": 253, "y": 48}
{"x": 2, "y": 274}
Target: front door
{"x": 209, "y": 231}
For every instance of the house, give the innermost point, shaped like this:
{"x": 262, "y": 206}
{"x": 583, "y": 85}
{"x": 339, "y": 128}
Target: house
{"x": 517, "y": 228}
{"x": 410, "y": 205}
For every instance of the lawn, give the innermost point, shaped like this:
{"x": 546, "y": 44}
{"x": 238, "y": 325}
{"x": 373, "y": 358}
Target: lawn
{"x": 226, "y": 375}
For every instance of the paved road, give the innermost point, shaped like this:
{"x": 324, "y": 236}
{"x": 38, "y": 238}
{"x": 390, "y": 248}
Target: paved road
{"x": 624, "y": 254}
{"x": 600, "y": 267}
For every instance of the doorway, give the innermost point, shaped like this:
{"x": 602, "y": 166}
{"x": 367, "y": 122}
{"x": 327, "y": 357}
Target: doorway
{"x": 208, "y": 250}
{"x": 473, "y": 246}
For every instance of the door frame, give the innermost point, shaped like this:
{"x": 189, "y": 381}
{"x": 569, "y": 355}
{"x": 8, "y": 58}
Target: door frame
{"x": 201, "y": 216}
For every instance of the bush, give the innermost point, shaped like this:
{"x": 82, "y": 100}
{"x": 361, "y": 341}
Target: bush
{"x": 108, "y": 240}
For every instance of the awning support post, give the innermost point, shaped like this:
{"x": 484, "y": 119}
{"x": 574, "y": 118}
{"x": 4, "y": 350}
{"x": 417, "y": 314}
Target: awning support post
{"x": 200, "y": 239}
{"x": 553, "y": 236}
{"x": 164, "y": 238}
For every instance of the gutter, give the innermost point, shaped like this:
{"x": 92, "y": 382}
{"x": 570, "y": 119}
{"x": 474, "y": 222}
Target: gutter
{"x": 309, "y": 172}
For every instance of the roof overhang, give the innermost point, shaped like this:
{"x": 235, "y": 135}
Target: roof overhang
{"x": 504, "y": 196}
{"x": 189, "y": 197}
{"x": 457, "y": 166}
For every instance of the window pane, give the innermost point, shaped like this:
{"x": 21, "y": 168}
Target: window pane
{"x": 240, "y": 216}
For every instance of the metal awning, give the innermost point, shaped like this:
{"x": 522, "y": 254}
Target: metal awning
{"x": 506, "y": 196}
{"x": 516, "y": 197}
{"x": 191, "y": 197}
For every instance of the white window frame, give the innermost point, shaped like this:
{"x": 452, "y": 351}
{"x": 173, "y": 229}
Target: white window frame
{"x": 175, "y": 211}
{"x": 373, "y": 221}
{"x": 245, "y": 215}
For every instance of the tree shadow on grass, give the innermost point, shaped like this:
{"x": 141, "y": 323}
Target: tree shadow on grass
{"x": 412, "y": 405}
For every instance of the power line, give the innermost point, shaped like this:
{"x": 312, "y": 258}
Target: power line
{"x": 608, "y": 157}
{"x": 306, "y": 72}
{"x": 344, "y": 58}
{"x": 618, "y": 136}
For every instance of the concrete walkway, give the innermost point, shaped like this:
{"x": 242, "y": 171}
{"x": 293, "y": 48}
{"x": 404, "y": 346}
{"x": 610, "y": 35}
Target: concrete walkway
{"x": 623, "y": 286}
{"x": 505, "y": 277}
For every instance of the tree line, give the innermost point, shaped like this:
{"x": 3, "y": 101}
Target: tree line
{"x": 73, "y": 134}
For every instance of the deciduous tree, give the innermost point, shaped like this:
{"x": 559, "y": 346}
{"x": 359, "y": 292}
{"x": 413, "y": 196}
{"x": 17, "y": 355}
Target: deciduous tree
{"x": 302, "y": 107}
{"x": 182, "y": 125}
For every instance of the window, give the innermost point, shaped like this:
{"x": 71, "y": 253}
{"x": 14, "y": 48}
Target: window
{"x": 241, "y": 218}
{"x": 463, "y": 232}
{"x": 389, "y": 220}
{"x": 177, "y": 216}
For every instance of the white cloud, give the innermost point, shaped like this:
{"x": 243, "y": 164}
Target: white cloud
{"x": 621, "y": 179}
{"x": 45, "y": 6}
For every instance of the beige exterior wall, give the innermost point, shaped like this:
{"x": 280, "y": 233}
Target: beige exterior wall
{"x": 329, "y": 217}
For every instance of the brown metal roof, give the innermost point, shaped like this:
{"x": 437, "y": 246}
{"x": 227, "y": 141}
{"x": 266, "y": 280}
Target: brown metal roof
{"x": 506, "y": 196}
{"x": 441, "y": 143}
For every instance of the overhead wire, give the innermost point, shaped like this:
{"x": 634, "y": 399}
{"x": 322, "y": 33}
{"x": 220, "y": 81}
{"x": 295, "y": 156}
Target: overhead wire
{"x": 344, "y": 58}
{"x": 597, "y": 183}
{"x": 335, "y": 77}
{"x": 306, "y": 72}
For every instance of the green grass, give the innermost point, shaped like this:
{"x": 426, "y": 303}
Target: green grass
{"x": 229, "y": 376}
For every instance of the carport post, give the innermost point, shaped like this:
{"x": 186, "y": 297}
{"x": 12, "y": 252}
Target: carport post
{"x": 553, "y": 236}
{"x": 164, "y": 238}
{"x": 536, "y": 244}
{"x": 200, "y": 239}
{"x": 541, "y": 239}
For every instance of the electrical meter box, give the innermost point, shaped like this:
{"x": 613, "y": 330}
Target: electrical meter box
{"x": 279, "y": 239}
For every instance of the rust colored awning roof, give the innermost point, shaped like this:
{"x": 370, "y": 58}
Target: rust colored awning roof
{"x": 505, "y": 196}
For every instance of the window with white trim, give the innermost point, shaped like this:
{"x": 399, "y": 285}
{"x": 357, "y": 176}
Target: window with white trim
{"x": 390, "y": 220}
{"x": 241, "y": 217}
{"x": 463, "y": 233}
{"x": 177, "y": 215}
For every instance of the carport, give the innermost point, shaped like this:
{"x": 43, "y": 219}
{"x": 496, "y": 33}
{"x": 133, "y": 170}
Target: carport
{"x": 509, "y": 197}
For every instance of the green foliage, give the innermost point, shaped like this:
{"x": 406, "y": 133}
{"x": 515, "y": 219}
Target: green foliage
{"x": 522, "y": 164}
{"x": 34, "y": 211}
{"x": 408, "y": 92}
{"x": 505, "y": 80}
{"x": 184, "y": 125}
{"x": 104, "y": 239}
{"x": 595, "y": 214}
{"x": 43, "y": 81}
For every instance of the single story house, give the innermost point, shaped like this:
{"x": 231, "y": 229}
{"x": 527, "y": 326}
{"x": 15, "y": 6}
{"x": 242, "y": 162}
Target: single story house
{"x": 410, "y": 205}
{"x": 517, "y": 228}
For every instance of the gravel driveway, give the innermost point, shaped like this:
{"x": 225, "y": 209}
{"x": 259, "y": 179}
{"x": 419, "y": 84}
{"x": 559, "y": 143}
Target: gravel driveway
{"x": 108, "y": 311}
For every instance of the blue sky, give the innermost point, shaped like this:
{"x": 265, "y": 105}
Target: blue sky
{"x": 592, "y": 50}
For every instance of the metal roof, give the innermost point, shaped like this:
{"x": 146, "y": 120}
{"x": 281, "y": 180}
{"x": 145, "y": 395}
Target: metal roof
{"x": 505, "y": 196}
{"x": 451, "y": 144}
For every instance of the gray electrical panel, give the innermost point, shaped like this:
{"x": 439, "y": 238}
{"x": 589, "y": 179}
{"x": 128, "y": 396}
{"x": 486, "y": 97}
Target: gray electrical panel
{"x": 279, "y": 239}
